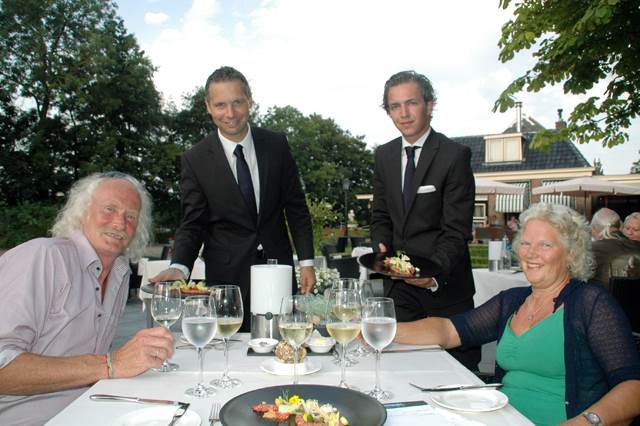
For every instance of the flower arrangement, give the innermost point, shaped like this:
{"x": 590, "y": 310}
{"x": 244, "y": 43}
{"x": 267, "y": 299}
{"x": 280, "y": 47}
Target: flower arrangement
{"x": 324, "y": 279}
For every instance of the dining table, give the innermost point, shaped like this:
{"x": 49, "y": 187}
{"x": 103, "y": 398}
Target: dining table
{"x": 430, "y": 367}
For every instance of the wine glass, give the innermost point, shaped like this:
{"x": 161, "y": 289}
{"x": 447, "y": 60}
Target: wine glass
{"x": 166, "y": 307}
{"x": 343, "y": 322}
{"x": 295, "y": 325}
{"x": 378, "y": 329}
{"x": 365, "y": 290}
{"x": 227, "y": 300}
{"x": 199, "y": 327}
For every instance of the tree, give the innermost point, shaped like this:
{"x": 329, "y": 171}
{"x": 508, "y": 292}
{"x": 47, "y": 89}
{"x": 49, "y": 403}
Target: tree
{"x": 326, "y": 154}
{"x": 579, "y": 43}
{"x": 78, "y": 96}
{"x": 635, "y": 167}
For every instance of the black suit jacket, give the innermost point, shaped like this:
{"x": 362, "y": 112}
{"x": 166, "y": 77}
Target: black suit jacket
{"x": 214, "y": 212}
{"x": 437, "y": 224}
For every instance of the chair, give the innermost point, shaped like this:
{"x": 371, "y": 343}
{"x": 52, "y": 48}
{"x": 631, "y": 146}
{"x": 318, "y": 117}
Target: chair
{"x": 347, "y": 266}
{"x": 341, "y": 245}
{"x": 627, "y": 293}
{"x": 358, "y": 241}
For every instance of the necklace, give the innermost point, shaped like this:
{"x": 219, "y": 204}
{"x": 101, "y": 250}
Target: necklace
{"x": 531, "y": 316}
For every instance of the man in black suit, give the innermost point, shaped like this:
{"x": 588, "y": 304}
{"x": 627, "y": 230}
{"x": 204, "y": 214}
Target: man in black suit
{"x": 238, "y": 186}
{"x": 423, "y": 200}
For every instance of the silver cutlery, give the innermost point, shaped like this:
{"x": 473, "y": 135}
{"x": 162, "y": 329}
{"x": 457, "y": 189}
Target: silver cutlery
{"x": 179, "y": 413}
{"x": 457, "y": 387}
{"x": 397, "y": 351}
{"x": 214, "y": 414}
{"x": 106, "y": 397}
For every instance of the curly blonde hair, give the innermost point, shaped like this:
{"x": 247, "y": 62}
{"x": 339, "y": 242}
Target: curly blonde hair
{"x": 574, "y": 232}
{"x": 69, "y": 219}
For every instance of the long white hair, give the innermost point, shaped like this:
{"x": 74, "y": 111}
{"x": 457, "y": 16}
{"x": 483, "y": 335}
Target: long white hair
{"x": 69, "y": 219}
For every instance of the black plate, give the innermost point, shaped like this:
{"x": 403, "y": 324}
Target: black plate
{"x": 148, "y": 288}
{"x": 358, "y": 408}
{"x": 375, "y": 262}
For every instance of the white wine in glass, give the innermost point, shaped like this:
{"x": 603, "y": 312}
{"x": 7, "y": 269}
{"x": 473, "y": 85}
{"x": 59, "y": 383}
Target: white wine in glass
{"x": 295, "y": 325}
{"x": 199, "y": 327}
{"x": 379, "y": 329}
{"x": 343, "y": 322}
{"x": 227, "y": 300}
{"x": 166, "y": 308}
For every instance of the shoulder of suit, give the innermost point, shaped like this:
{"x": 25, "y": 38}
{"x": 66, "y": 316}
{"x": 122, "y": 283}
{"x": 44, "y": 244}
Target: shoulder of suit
{"x": 260, "y": 133}
{"x": 447, "y": 142}
{"x": 203, "y": 145}
{"x": 392, "y": 144}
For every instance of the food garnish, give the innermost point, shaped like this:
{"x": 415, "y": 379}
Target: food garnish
{"x": 299, "y": 412}
{"x": 191, "y": 287}
{"x": 400, "y": 265}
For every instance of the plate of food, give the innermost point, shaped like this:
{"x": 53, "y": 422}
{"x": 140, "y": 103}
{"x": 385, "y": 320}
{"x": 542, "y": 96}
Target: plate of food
{"x": 311, "y": 404}
{"x": 400, "y": 265}
{"x": 191, "y": 288}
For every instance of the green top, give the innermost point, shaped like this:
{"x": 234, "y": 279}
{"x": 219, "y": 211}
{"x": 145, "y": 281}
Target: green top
{"x": 534, "y": 362}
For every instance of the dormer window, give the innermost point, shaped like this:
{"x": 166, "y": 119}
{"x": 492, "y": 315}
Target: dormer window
{"x": 503, "y": 148}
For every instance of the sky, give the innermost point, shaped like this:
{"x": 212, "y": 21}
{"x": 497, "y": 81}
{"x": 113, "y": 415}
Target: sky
{"x": 332, "y": 58}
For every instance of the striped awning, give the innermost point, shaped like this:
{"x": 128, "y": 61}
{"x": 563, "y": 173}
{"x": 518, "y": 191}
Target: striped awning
{"x": 513, "y": 203}
{"x": 564, "y": 200}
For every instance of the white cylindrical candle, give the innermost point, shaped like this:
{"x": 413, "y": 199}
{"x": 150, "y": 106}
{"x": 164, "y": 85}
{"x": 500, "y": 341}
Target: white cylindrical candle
{"x": 269, "y": 284}
{"x": 495, "y": 250}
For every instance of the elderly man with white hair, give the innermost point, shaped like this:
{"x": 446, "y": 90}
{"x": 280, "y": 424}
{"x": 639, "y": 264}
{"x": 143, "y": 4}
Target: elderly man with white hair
{"x": 631, "y": 227}
{"x": 63, "y": 297}
{"x": 606, "y": 224}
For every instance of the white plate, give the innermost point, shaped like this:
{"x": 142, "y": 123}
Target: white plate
{"x": 474, "y": 400}
{"x": 160, "y": 416}
{"x": 273, "y": 366}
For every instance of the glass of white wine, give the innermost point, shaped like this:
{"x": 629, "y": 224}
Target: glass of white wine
{"x": 343, "y": 322}
{"x": 199, "y": 327}
{"x": 166, "y": 307}
{"x": 227, "y": 300}
{"x": 379, "y": 329}
{"x": 295, "y": 325}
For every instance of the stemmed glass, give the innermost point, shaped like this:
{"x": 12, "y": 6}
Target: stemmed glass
{"x": 365, "y": 290}
{"x": 227, "y": 300}
{"x": 295, "y": 325}
{"x": 199, "y": 327}
{"x": 378, "y": 329}
{"x": 166, "y": 307}
{"x": 343, "y": 322}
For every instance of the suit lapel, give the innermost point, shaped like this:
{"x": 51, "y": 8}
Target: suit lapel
{"x": 427, "y": 154}
{"x": 395, "y": 183}
{"x": 262, "y": 155}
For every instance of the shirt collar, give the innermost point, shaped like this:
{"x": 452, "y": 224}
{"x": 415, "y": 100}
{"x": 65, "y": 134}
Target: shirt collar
{"x": 89, "y": 258}
{"x": 229, "y": 145}
{"x": 421, "y": 140}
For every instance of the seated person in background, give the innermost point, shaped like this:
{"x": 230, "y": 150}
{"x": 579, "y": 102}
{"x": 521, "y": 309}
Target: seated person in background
{"x": 615, "y": 255}
{"x": 63, "y": 297}
{"x": 631, "y": 228}
{"x": 559, "y": 340}
{"x": 606, "y": 224}
{"x": 513, "y": 223}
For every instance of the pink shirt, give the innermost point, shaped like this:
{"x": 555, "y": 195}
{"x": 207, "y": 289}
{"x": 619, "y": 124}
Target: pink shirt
{"x": 51, "y": 306}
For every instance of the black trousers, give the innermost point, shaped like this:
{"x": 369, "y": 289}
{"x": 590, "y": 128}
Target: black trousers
{"x": 412, "y": 303}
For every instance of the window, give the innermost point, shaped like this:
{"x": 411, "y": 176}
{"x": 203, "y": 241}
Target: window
{"x": 479, "y": 213}
{"x": 500, "y": 148}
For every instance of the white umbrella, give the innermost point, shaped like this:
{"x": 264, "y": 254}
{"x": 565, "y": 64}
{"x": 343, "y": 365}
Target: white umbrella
{"x": 486, "y": 186}
{"x": 587, "y": 186}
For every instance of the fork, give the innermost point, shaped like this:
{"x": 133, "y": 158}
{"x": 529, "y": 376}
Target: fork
{"x": 214, "y": 414}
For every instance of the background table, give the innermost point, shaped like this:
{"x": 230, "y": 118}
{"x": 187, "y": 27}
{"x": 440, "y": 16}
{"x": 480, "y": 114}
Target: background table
{"x": 424, "y": 368}
{"x": 488, "y": 284}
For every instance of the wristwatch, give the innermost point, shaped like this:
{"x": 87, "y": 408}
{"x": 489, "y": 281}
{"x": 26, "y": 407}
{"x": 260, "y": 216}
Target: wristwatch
{"x": 592, "y": 418}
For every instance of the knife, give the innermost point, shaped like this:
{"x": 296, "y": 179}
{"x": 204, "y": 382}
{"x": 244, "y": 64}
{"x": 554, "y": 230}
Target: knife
{"x": 397, "y": 351}
{"x": 105, "y": 397}
{"x": 179, "y": 413}
{"x": 457, "y": 387}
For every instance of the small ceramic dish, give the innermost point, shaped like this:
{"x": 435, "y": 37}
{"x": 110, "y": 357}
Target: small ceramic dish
{"x": 321, "y": 344}
{"x": 263, "y": 345}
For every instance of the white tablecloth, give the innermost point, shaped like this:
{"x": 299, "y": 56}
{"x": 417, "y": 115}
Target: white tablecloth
{"x": 488, "y": 284}
{"x": 425, "y": 368}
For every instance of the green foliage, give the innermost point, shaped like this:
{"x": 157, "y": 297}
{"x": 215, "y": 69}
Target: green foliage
{"x": 479, "y": 255}
{"x": 326, "y": 154}
{"x": 635, "y": 167}
{"x": 578, "y": 43}
{"x": 322, "y": 214}
{"x": 25, "y": 221}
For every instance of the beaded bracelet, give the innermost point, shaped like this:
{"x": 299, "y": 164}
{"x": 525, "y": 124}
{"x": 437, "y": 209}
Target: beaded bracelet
{"x": 111, "y": 370}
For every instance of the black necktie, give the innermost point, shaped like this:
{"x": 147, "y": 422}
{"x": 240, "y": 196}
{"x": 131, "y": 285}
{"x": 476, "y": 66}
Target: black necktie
{"x": 244, "y": 181}
{"x": 409, "y": 171}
